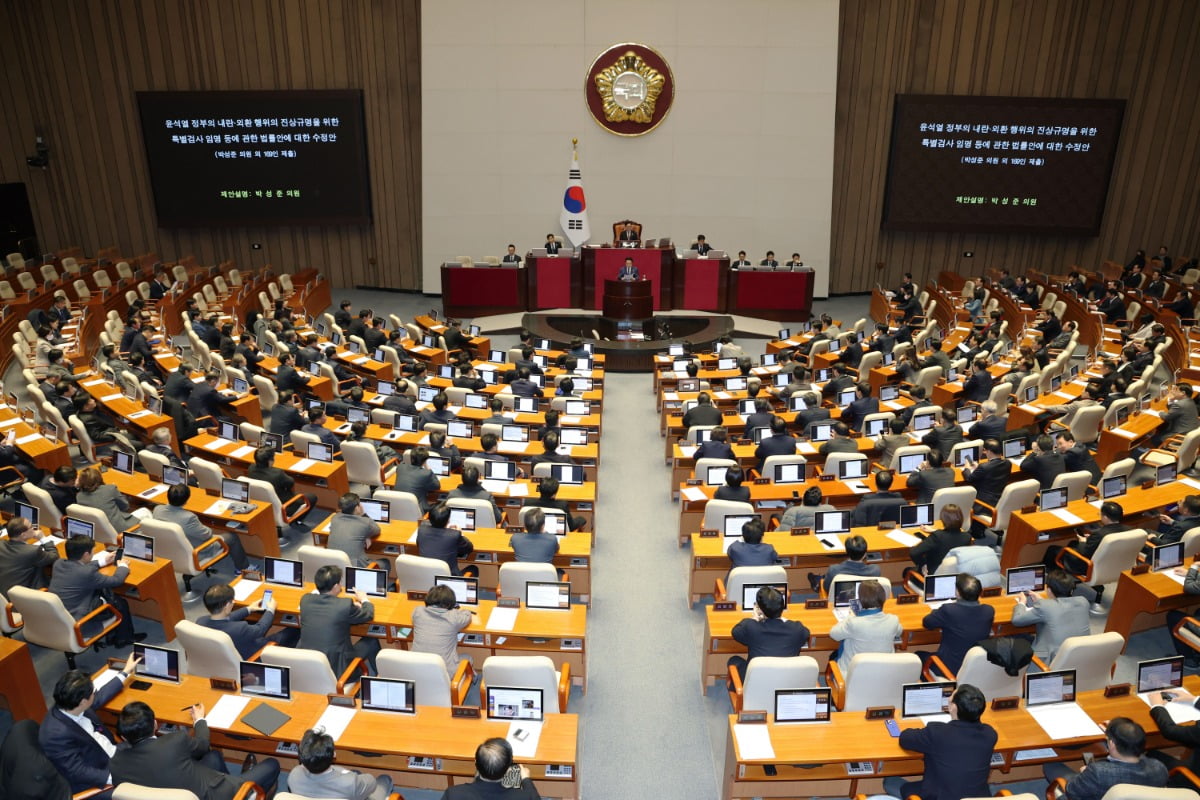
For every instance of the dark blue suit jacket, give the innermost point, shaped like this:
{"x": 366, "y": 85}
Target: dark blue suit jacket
{"x": 957, "y": 758}
{"x": 629, "y": 274}
{"x": 247, "y": 637}
{"x": 75, "y": 754}
{"x": 963, "y": 625}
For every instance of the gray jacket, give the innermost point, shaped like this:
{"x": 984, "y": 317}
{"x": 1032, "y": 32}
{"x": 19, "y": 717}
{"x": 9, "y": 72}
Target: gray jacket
{"x": 350, "y": 534}
{"x": 108, "y": 500}
{"x": 325, "y": 623}
{"x": 195, "y": 531}
{"x": 1057, "y": 619}
{"x": 78, "y": 584}
{"x": 865, "y": 633}
{"x": 435, "y": 630}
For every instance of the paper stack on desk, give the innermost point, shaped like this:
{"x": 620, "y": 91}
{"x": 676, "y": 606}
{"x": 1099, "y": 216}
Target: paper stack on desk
{"x": 753, "y": 742}
{"x": 1064, "y": 721}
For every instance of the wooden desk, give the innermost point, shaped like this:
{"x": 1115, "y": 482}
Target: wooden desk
{"x": 327, "y": 481}
{"x": 46, "y": 454}
{"x": 535, "y": 633}
{"x": 19, "y": 688}
{"x": 1149, "y": 593}
{"x": 374, "y": 741}
{"x": 256, "y": 529}
{"x": 581, "y": 499}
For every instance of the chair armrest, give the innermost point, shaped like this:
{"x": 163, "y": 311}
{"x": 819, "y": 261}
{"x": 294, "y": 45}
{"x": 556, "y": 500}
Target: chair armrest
{"x": 1184, "y": 633}
{"x": 250, "y": 791}
{"x": 1188, "y": 775}
{"x": 201, "y": 566}
{"x": 86, "y": 793}
{"x": 1053, "y": 791}
{"x": 977, "y": 518}
{"x": 735, "y": 690}
{"x": 91, "y": 615}
{"x": 1061, "y": 561}
{"x": 11, "y": 476}
{"x": 300, "y": 510}
{"x": 913, "y": 574}
{"x": 14, "y": 620}
{"x": 206, "y": 422}
{"x": 564, "y": 687}
{"x": 460, "y": 684}
{"x": 836, "y": 683}
{"x": 356, "y": 665}
{"x": 256, "y": 656}
{"x": 720, "y": 592}
{"x": 1041, "y": 664}
{"x": 936, "y": 662}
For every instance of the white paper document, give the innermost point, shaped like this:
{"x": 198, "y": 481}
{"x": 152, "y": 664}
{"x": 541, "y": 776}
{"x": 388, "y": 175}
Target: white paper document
{"x": 244, "y": 588}
{"x": 832, "y": 542}
{"x": 687, "y": 450}
{"x": 226, "y": 711}
{"x": 215, "y": 444}
{"x": 27, "y": 438}
{"x": 103, "y": 678}
{"x": 1064, "y": 721}
{"x": 858, "y": 487}
{"x": 140, "y": 414}
{"x": 753, "y": 742}
{"x": 8, "y": 423}
{"x": 302, "y": 465}
{"x": 335, "y": 719}
{"x": 1123, "y": 432}
{"x": 154, "y": 491}
{"x": 243, "y": 451}
{"x": 1170, "y": 573}
{"x": 900, "y": 537}
{"x": 693, "y": 494}
{"x": 1189, "y": 482}
{"x": 108, "y": 398}
{"x": 1181, "y": 711}
{"x": 512, "y": 447}
{"x": 502, "y": 619}
{"x": 523, "y": 735}
{"x": 518, "y": 490}
{"x": 218, "y": 508}
{"x": 1067, "y": 516}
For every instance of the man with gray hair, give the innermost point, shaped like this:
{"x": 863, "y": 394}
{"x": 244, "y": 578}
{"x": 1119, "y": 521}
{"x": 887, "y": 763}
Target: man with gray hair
{"x": 495, "y": 776}
{"x": 991, "y": 424}
{"x": 162, "y": 446}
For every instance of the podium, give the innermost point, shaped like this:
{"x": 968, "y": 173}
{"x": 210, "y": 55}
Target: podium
{"x": 628, "y": 300}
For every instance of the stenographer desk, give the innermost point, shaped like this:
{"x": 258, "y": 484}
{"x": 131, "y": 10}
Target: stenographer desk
{"x": 718, "y": 643}
{"x": 1029, "y": 533}
{"x": 811, "y": 759}
{"x": 554, "y": 281}
{"x": 771, "y": 294}
{"x": 328, "y": 481}
{"x": 374, "y": 741}
{"x": 482, "y": 289}
{"x": 559, "y": 634}
{"x": 491, "y": 551}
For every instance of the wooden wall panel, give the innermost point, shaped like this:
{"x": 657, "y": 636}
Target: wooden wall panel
{"x": 73, "y": 67}
{"x": 1146, "y": 51}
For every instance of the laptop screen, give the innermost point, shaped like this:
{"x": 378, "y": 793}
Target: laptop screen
{"x": 1165, "y": 474}
{"x": 229, "y": 431}
{"x": 528, "y": 405}
{"x": 1160, "y": 673}
{"x": 499, "y": 470}
{"x": 283, "y": 572}
{"x": 426, "y": 393}
{"x": 789, "y": 473}
{"x": 715, "y": 476}
{"x": 354, "y": 415}
{"x": 138, "y": 546}
{"x": 274, "y": 441}
{"x": 785, "y": 333}
{"x": 874, "y": 427}
{"x": 174, "y": 475}
{"x": 388, "y": 694}
{"x": 77, "y": 527}
{"x": 1051, "y": 499}
{"x": 153, "y": 403}
{"x": 122, "y": 461}
{"x": 916, "y": 515}
{"x": 846, "y": 397}
{"x": 726, "y": 363}
{"x": 853, "y": 469}
{"x": 738, "y": 384}
{"x": 372, "y": 582}
{"x": 939, "y": 588}
{"x": 845, "y": 591}
{"x": 832, "y": 522}
{"x": 1015, "y": 447}
{"x": 675, "y": 350}
{"x": 922, "y": 422}
{"x": 438, "y": 466}
{"x": 459, "y": 429}
{"x": 405, "y": 422}
{"x": 385, "y": 388}
{"x": 577, "y": 408}
{"x": 240, "y": 385}
{"x": 733, "y": 523}
{"x": 802, "y": 705}
{"x": 769, "y": 359}
{"x": 466, "y": 590}
{"x": 888, "y": 392}
{"x": 266, "y": 680}
{"x": 446, "y": 371}
{"x": 378, "y": 510}
{"x": 462, "y": 518}
{"x": 1025, "y": 579}
{"x": 556, "y": 522}
{"x": 911, "y": 462}
{"x": 1167, "y": 556}
{"x": 750, "y": 593}
{"x": 319, "y": 451}
{"x": 508, "y": 702}
{"x": 475, "y": 401}
{"x": 548, "y": 595}
{"x": 820, "y": 431}
{"x": 26, "y": 511}
{"x": 572, "y": 474}
{"x": 1112, "y": 487}
{"x": 514, "y": 433}
{"x": 1043, "y": 688}
{"x": 157, "y": 662}
{"x": 235, "y": 490}
{"x": 924, "y": 699}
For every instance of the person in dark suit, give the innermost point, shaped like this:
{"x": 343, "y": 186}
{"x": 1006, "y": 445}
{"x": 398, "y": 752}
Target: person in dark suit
{"x": 285, "y": 416}
{"x": 552, "y": 245}
{"x": 864, "y": 404}
{"x": 769, "y": 262}
{"x": 779, "y": 443}
{"x": 929, "y": 553}
{"x": 943, "y": 437}
{"x": 703, "y": 413}
{"x": 628, "y": 234}
{"x": 493, "y": 760}
{"x": 1112, "y": 306}
{"x": 511, "y": 256}
{"x": 991, "y": 425}
{"x": 917, "y": 393}
{"x": 547, "y": 498}
{"x": 206, "y": 401}
{"x": 715, "y": 446}
{"x": 287, "y": 378}
{"x": 702, "y": 246}
{"x": 761, "y": 418}
{"x": 931, "y": 476}
{"x": 733, "y": 488}
{"x": 741, "y": 260}
{"x": 883, "y": 503}
{"x": 766, "y": 634}
{"x": 840, "y": 381}
{"x": 523, "y": 386}
{"x": 399, "y": 401}
{"x": 60, "y": 485}
{"x": 883, "y": 342}
{"x": 247, "y": 348}
{"x": 841, "y": 441}
{"x": 1156, "y": 286}
{"x": 1076, "y": 456}
{"x": 248, "y": 637}
{"x": 326, "y": 619}
{"x": 550, "y": 454}
{"x": 159, "y": 286}
{"x": 629, "y": 272}
{"x": 979, "y": 386}
{"x": 316, "y": 427}
{"x": 1044, "y": 463}
{"x": 1126, "y": 763}
{"x": 141, "y": 344}
{"x": 342, "y": 317}
{"x": 177, "y": 760}
{"x": 81, "y": 586}
{"x": 814, "y": 412}
{"x": 990, "y": 476}
{"x": 179, "y": 384}
{"x": 436, "y": 539}
{"x": 958, "y": 753}
{"x": 852, "y": 353}
{"x": 416, "y": 478}
{"x": 963, "y": 623}
{"x": 1187, "y": 735}
{"x": 23, "y": 556}
{"x": 1181, "y": 416}
{"x": 1172, "y": 527}
{"x": 82, "y": 757}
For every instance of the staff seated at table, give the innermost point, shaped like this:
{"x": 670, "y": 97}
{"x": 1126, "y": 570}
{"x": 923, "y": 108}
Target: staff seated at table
{"x": 733, "y": 488}
{"x": 439, "y": 414}
{"x": 767, "y": 633}
{"x": 316, "y": 427}
{"x": 715, "y": 446}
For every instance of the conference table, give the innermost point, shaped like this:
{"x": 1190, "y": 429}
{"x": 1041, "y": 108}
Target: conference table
{"x": 327, "y": 480}
{"x": 480, "y": 290}
{"x": 372, "y": 741}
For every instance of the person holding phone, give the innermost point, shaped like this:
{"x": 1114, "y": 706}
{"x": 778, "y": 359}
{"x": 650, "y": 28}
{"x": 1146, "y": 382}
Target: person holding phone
{"x": 82, "y": 587}
{"x": 248, "y": 637}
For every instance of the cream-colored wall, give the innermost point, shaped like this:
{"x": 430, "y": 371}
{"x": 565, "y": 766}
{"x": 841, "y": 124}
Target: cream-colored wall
{"x": 745, "y": 156}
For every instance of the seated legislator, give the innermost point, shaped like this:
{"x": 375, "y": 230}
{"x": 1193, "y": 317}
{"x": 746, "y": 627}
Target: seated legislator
{"x": 862, "y": 405}
{"x": 963, "y": 623}
{"x": 733, "y": 488}
{"x": 316, "y": 427}
{"x": 471, "y": 489}
{"x": 854, "y": 564}
{"x": 629, "y": 272}
{"x": 1126, "y": 762}
{"x": 1187, "y": 734}
{"x": 352, "y": 532}
{"x": 198, "y": 533}
{"x": 794, "y": 261}
{"x": 534, "y": 545}
{"x": 991, "y": 424}
{"x": 552, "y": 245}
{"x": 880, "y": 504}
{"x": 439, "y": 414}
{"x": 929, "y": 553}
{"x": 315, "y": 776}
{"x": 930, "y": 476}
{"x": 716, "y": 445}
{"x": 750, "y": 550}
{"x": 179, "y": 760}
{"x": 769, "y": 262}
{"x": 326, "y": 618}
{"x": 628, "y": 234}
{"x": 495, "y": 776}
{"x": 72, "y": 735}
{"x": 547, "y": 498}
{"x": 841, "y": 440}
{"x": 703, "y": 413}
{"x": 550, "y": 454}
{"x": 767, "y": 633}
{"x": 702, "y": 246}
{"x": 285, "y": 416}
{"x": 107, "y": 499}
{"x": 1057, "y": 617}
{"x": 60, "y": 485}
{"x": 416, "y": 478}
{"x": 437, "y": 624}
{"x": 78, "y": 582}
{"x": 24, "y": 556}
{"x": 779, "y": 443}
{"x": 511, "y": 257}
{"x": 869, "y": 630}
{"x": 264, "y": 469}
{"x": 437, "y": 539}
{"x": 804, "y": 513}
{"x": 248, "y": 637}
{"x": 957, "y": 753}
{"x": 888, "y": 443}
{"x": 943, "y": 437}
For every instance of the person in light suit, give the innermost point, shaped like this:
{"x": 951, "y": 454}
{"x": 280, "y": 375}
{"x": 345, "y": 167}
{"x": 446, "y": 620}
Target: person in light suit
{"x": 1057, "y": 617}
